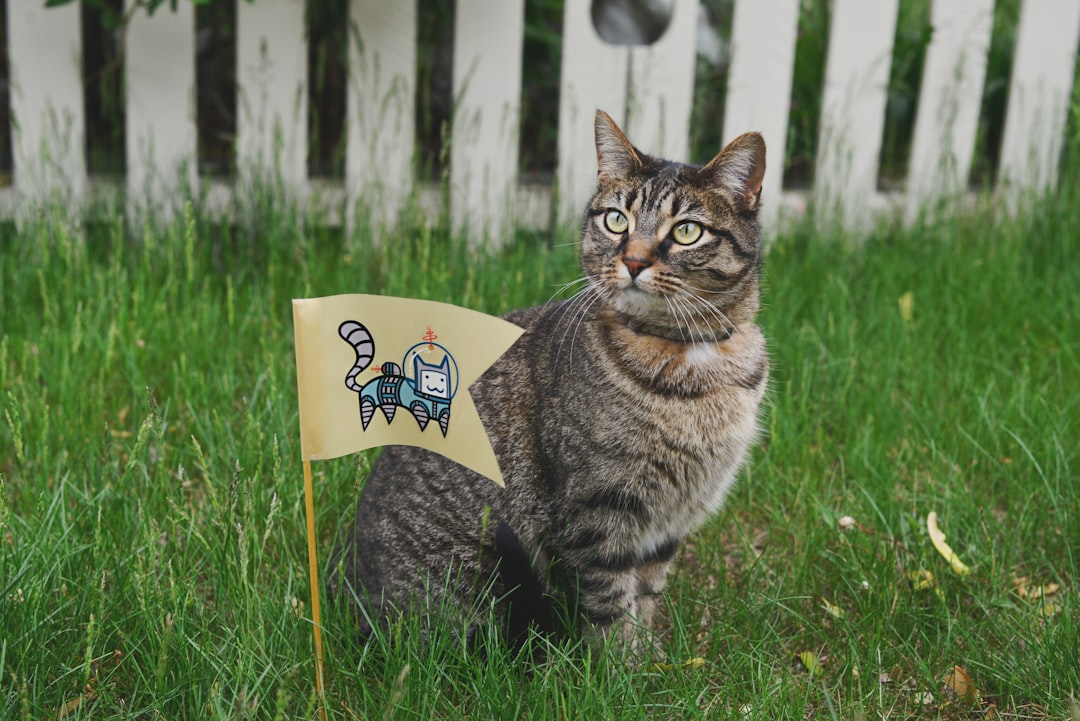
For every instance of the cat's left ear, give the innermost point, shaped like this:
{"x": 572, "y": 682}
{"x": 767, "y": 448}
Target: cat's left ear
{"x": 740, "y": 167}
{"x": 616, "y": 157}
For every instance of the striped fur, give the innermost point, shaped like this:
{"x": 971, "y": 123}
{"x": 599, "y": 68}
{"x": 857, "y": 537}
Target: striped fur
{"x": 620, "y": 418}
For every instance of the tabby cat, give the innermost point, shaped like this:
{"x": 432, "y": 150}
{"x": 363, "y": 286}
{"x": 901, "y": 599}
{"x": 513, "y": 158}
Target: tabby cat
{"x": 620, "y": 418}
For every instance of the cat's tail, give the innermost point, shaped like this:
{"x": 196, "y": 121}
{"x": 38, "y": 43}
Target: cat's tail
{"x": 527, "y": 604}
{"x": 359, "y": 337}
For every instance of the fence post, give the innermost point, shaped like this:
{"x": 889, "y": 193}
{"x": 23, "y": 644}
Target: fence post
{"x": 759, "y": 86}
{"x": 660, "y": 95}
{"x": 593, "y": 74}
{"x": 1042, "y": 80}
{"x": 381, "y": 104}
{"x": 272, "y": 99}
{"x": 161, "y": 138}
{"x": 949, "y": 100}
{"x": 487, "y": 98}
{"x": 853, "y": 110}
{"x": 48, "y": 118}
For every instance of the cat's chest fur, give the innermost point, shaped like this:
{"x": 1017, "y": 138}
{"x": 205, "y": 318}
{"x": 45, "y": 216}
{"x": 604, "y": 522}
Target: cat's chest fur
{"x": 630, "y": 421}
{"x": 701, "y": 403}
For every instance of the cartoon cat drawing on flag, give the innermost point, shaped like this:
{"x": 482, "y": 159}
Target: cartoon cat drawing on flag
{"x": 426, "y": 395}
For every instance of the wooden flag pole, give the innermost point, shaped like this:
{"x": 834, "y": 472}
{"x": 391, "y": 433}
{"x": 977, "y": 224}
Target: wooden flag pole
{"x": 313, "y": 572}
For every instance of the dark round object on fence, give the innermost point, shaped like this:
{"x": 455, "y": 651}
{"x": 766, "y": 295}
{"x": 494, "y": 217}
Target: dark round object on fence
{"x": 631, "y": 22}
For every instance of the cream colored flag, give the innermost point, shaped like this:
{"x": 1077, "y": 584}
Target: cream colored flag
{"x": 375, "y": 370}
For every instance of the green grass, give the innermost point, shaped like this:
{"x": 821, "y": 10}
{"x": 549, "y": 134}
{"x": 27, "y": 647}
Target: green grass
{"x": 152, "y": 543}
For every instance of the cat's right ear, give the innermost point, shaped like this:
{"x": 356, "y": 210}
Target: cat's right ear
{"x": 739, "y": 168}
{"x": 616, "y": 157}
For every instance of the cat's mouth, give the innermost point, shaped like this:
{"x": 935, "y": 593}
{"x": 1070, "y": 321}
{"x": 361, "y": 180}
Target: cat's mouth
{"x": 632, "y": 295}
{"x": 647, "y": 310}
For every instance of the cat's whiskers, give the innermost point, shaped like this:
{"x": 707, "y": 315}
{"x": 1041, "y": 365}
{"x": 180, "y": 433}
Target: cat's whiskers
{"x": 599, "y": 293}
{"x": 577, "y": 307}
{"x": 701, "y": 305}
{"x": 695, "y": 308}
{"x": 678, "y": 313}
{"x": 590, "y": 284}
{"x": 567, "y": 286}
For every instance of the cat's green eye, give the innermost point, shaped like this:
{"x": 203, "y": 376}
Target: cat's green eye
{"x": 616, "y": 222}
{"x": 686, "y": 232}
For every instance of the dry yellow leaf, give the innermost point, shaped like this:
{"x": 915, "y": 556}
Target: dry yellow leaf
{"x": 1049, "y": 610}
{"x": 73, "y": 705}
{"x": 921, "y": 580}
{"x": 832, "y": 609}
{"x": 938, "y": 539}
{"x": 1043, "y": 591}
{"x": 961, "y": 684}
{"x": 1038, "y": 594}
{"x": 695, "y": 662}
{"x": 907, "y": 304}
{"x": 810, "y": 662}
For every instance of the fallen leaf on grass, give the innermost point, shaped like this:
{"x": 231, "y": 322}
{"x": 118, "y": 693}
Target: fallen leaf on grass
{"x": 907, "y": 305}
{"x": 921, "y": 580}
{"x": 696, "y": 662}
{"x": 1049, "y": 610}
{"x": 73, "y": 705}
{"x": 832, "y": 609}
{"x": 1025, "y": 591}
{"x": 960, "y": 683}
{"x": 811, "y": 663}
{"x": 937, "y": 537}
{"x": 1039, "y": 595}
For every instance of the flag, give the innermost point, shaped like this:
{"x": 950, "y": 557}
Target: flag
{"x": 377, "y": 370}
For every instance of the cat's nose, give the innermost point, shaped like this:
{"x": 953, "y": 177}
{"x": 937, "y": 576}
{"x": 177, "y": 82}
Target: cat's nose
{"x": 636, "y": 265}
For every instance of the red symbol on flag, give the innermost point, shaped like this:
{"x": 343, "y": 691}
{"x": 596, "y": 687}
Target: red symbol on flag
{"x": 430, "y": 338}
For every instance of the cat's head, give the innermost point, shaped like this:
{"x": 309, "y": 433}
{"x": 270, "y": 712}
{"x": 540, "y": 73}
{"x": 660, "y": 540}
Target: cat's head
{"x": 675, "y": 249}
{"x": 433, "y": 380}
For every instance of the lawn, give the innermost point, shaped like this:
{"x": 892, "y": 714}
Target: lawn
{"x": 152, "y": 542}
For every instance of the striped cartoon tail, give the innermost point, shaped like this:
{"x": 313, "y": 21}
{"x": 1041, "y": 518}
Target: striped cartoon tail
{"x": 359, "y": 337}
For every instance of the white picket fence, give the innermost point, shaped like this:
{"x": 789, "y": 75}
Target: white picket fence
{"x": 647, "y": 89}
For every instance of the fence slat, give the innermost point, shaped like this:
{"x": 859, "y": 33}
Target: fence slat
{"x": 272, "y": 101}
{"x": 48, "y": 119}
{"x": 487, "y": 97}
{"x": 949, "y": 102}
{"x": 161, "y": 137}
{"x": 1039, "y": 91}
{"x": 381, "y": 109}
{"x": 759, "y": 85}
{"x": 853, "y": 109}
{"x": 593, "y": 76}
{"x": 660, "y": 95}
